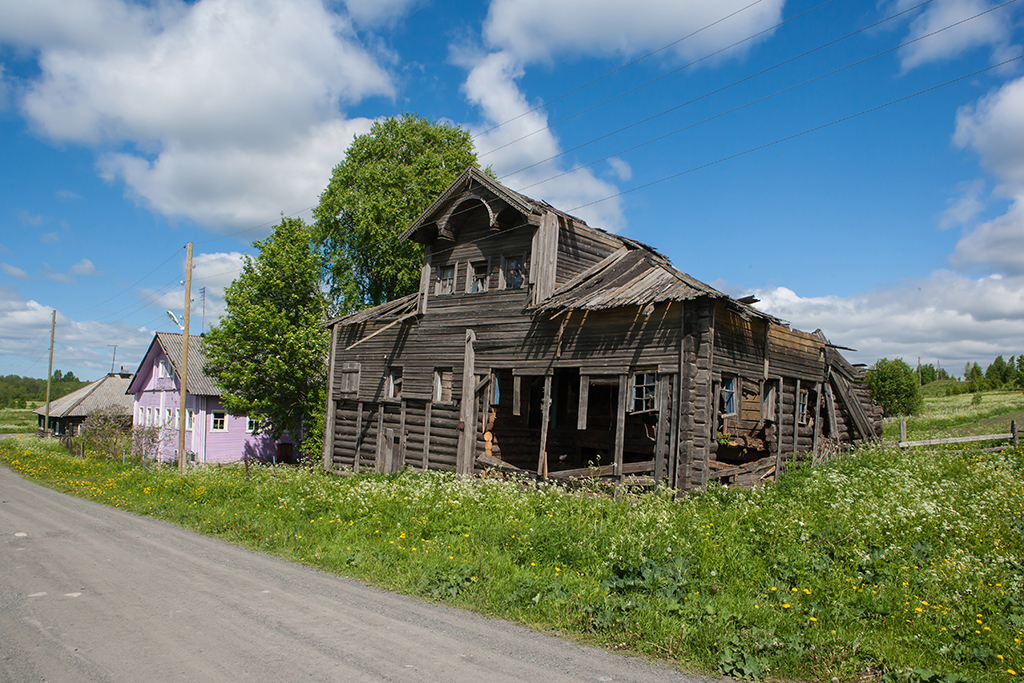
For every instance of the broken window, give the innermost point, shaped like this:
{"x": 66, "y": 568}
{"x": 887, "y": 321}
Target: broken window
{"x": 442, "y": 385}
{"x": 446, "y": 279}
{"x": 643, "y": 391}
{"x": 478, "y": 282}
{"x": 395, "y": 383}
{"x": 512, "y": 273}
{"x": 803, "y": 402}
{"x": 729, "y": 402}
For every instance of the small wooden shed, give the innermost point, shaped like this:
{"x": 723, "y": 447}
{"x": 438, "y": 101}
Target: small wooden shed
{"x": 538, "y": 343}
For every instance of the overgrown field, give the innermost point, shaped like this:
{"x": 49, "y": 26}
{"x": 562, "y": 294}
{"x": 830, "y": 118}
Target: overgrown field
{"x": 17, "y": 421}
{"x": 876, "y": 566}
{"x": 988, "y": 412}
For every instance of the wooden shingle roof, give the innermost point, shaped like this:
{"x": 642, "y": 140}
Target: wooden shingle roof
{"x": 103, "y": 393}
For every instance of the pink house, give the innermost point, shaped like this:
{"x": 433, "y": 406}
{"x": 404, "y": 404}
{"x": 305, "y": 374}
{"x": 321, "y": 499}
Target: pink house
{"x": 211, "y": 434}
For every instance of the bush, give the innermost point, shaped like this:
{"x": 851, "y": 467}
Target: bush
{"x": 894, "y": 386}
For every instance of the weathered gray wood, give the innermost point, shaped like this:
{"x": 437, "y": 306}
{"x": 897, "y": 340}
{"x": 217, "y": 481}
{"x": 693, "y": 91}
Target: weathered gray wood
{"x": 328, "y": 449}
{"x": 427, "y": 423}
{"x": 378, "y": 460}
{"x": 903, "y": 431}
{"x": 620, "y": 423}
{"x": 467, "y": 436}
{"x": 391, "y": 324}
{"x": 663, "y": 425}
{"x": 389, "y": 450}
{"x": 517, "y": 387}
{"x": 778, "y": 431}
{"x": 1013, "y": 432}
{"x": 400, "y": 459}
{"x": 830, "y": 404}
{"x": 581, "y": 414}
{"x": 605, "y": 470}
{"x": 359, "y": 435}
{"x": 956, "y": 439}
{"x": 796, "y": 418}
{"x": 817, "y": 418}
{"x": 545, "y": 420}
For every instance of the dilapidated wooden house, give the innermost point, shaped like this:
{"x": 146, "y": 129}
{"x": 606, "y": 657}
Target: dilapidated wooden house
{"x": 538, "y": 343}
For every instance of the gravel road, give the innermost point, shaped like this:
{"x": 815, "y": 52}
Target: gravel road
{"x": 90, "y": 593}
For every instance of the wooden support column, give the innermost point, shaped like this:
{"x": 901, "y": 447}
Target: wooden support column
{"x": 517, "y": 393}
{"x": 467, "y": 414}
{"x": 389, "y": 451}
{"x": 664, "y": 417}
{"x": 425, "y": 276}
{"x": 830, "y": 405}
{"x": 620, "y": 425}
{"x": 426, "y": 435}
{"x": 359, "y": 436}
{"x": 796, "y": 408}
{"x": 817, "y": 420}
{"x": 378, "y": 464}
{"x": 400, "y": 455}
{"x": 545, "y": 419}
{"x": 581, "y": 418}
{"x": 331, "y": 409}
{"x": 778, "y": 432}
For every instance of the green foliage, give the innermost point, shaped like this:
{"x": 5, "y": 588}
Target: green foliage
{"x": 388, "y": 178}
{"x": 894, "y": 386}
{"x": 268, "y": 350}
{"x": 879, "y": 565}
{"x": 927, "y": 373}
{"x": 17, "y": 392}
{"x": 106, "y": 433}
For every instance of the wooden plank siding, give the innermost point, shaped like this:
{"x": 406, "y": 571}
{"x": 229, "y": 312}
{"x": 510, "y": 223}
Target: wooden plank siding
{"x": 524, "y": 378}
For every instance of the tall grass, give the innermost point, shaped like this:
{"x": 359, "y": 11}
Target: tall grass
{"x": 876, "y": 566}
{"x": 946, "y": 416}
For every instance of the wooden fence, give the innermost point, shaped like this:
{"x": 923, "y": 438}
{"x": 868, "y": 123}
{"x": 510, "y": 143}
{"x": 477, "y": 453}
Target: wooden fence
{"x": 903, "y": 443}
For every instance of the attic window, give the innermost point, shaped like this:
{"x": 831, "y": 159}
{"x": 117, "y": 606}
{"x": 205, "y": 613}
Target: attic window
{"x": 512, "y": 272}
{"x": 479, "y": 282}
{"x": 395, "y": 383}
{"x": 446, "y": 279}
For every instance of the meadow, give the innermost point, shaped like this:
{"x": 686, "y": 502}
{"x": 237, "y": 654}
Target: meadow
{"x": 18, "y": 421}
{"x": 876, "y": 566}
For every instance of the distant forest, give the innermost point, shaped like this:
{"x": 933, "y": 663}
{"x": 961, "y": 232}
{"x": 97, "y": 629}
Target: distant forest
{"x": 1000, "y": 374}
{"x": 17, "y": 392}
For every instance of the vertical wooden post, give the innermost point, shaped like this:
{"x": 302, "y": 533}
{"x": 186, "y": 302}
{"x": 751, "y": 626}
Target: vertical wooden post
{"x": 378, "y": 462}
{"x": 426, "y": 434}
{"x": 903, "y": 433}
{"x": 183, "y": 372}
{"x": 661, "y": 402}
{"x": 817, "y": 420}
{"x": 778, "y": 432}
{"x": 359, "y": 436}
{"x": 331, "y": 409}
{"x": 545, "y": 418}
{"x": 517, "y": 393}
{"x": 620, "y": 424}
{"x": 796, "y": 427}
{"x": 584, "y": 405}
{"x": 1013, "y": 431}
{"x": 49, "y": 375}
{"x": 400, "y": 456}
{"x": 467, "y": 415}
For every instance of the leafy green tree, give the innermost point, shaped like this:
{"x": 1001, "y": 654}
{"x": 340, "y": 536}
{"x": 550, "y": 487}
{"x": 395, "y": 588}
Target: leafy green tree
{"x": 927, "y": 373}
{"x": 267, "y": 352}
{"x": 388, "y": 178}
{"x": 893, "y": 385}
{"x": 997, "y": 373}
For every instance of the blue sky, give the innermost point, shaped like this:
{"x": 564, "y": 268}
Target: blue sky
{"x": 871, "y": 185}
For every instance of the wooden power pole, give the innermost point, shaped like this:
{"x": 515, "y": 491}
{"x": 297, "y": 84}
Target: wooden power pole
{"x": 183, "y": 372}
{"x": 49, "y": 375}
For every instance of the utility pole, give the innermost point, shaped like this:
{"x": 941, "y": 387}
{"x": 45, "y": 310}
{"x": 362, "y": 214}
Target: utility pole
{"x": 113, "y": 360}
{"x": 202, "y": 292}
{"x": 49, "y": 375}
{"x": 183, "y": 372}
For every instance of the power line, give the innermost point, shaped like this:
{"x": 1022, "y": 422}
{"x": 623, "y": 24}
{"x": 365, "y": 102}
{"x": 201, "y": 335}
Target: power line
{"x": 617, "y": 70}
{"x": 661, "y": 77}
{"x": 797, "y": 135}
{"x": 717, "y": 91}
{"x": 748, "y": 104}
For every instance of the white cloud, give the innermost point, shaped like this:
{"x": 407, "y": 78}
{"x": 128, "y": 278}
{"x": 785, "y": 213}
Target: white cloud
{"x": 81, "y": 346}
{"x": 49, "y": 237}
{"x": 84, "y": 267}
{"x": 68, "y": 194}
{"x": 993, "y": 29}
{"x": 373, "y": 13}
{"x": 15, "y": 272}
{"x": 961, "y": 210}
{"x": 994, "y": 128}
{"x": 214, "y": 271}
{"x": 945, "y": 317}
{"x": 536, "y": 30}
{"x": 219, "y": 102}
{"x": 620, "y": 168}
{"x": 491, "y": 86}
{"x": 29, "y": 219}
{"x": 50, "y": 274}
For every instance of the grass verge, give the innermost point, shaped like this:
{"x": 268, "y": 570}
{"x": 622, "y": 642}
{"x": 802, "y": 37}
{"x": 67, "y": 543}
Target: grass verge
{"x": 875, "y": 566}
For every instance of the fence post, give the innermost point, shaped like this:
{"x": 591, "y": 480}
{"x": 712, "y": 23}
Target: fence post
{"x": 1013, "y": 432}
{"x": 903, "y": 433}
